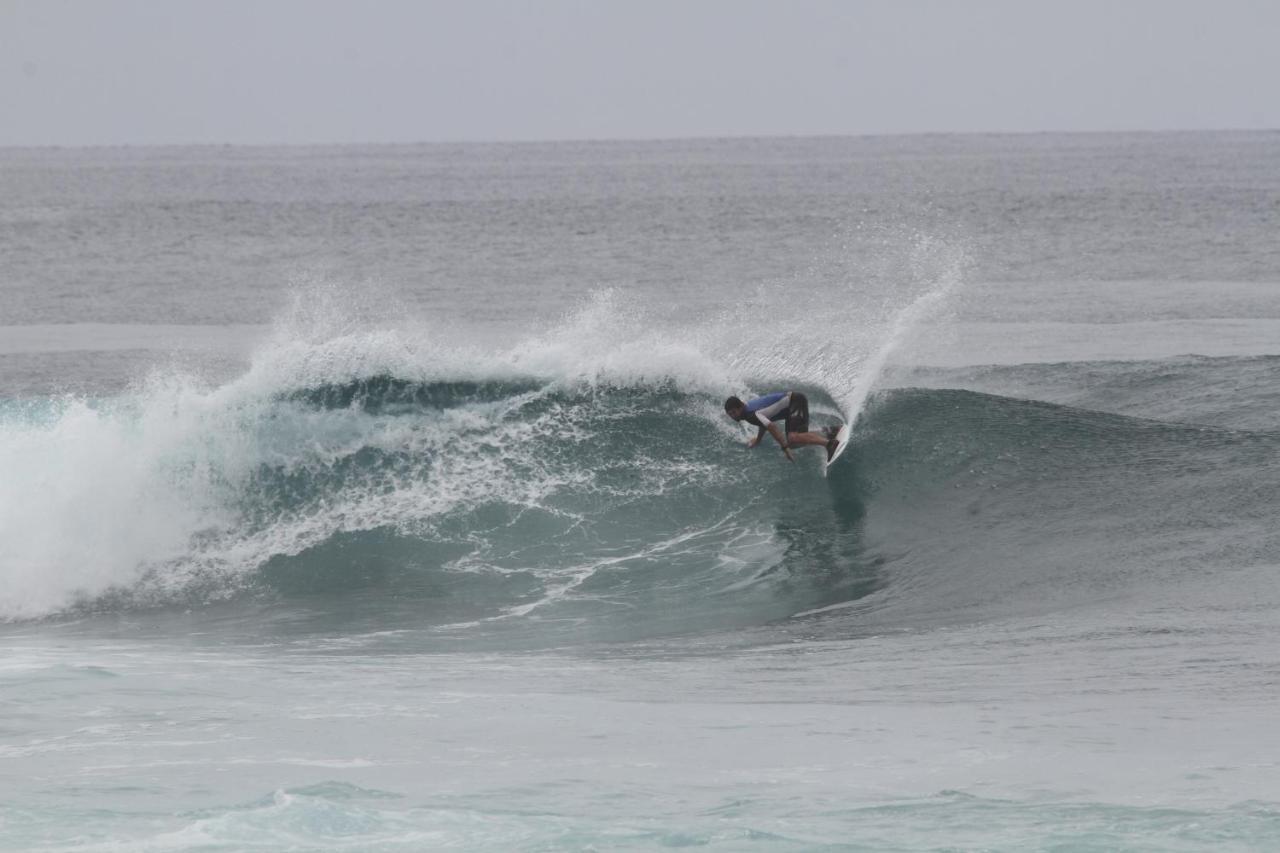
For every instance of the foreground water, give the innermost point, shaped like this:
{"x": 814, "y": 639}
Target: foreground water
{"x": 380, "y": 498}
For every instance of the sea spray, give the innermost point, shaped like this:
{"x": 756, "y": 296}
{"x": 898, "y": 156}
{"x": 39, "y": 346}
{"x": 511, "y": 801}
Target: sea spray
{"x": 942, "y": 267}
{"x": 840, "y": 337}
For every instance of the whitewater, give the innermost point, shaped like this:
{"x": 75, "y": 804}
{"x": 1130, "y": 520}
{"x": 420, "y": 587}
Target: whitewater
{"x": 381, "y": 498}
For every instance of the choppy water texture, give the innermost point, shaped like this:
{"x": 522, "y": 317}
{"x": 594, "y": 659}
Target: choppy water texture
{"x": 380, "y": 498}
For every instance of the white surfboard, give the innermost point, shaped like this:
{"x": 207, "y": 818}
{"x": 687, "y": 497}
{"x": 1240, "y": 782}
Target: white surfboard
{"x": 842, "y": 439}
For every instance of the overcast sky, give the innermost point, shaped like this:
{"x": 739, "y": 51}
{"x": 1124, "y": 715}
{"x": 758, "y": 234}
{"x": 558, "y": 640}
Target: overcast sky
{"x": 78, "y": 72}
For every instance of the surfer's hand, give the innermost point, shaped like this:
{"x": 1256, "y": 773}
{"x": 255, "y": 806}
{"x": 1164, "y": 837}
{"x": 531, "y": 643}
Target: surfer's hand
{"x": 787, "y": 451}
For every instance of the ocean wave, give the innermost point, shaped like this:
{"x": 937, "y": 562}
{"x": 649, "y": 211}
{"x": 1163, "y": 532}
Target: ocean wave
{"x": 620, "y": 510}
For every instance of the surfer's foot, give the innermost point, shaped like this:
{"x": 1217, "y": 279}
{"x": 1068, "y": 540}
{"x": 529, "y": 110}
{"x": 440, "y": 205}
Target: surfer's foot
{"x": 832, "y": 444}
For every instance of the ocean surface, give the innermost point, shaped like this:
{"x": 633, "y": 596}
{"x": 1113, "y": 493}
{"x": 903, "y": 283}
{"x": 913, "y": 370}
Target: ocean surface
{"x": 380, "y": 498}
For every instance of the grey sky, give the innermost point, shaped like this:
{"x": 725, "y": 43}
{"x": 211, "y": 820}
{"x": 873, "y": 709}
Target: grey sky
{"x": 246, "y": 71}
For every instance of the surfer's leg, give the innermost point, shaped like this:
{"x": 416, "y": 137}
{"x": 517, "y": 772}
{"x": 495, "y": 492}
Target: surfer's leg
{"x": 797, "y": 439}
{"x": 798, "y": 424}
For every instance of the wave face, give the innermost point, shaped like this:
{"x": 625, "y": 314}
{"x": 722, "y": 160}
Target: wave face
{"x": 993, "y": 506}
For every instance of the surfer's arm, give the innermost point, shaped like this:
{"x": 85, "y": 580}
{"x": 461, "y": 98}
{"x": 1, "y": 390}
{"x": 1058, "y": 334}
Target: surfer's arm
{"x": 782, "y": 442}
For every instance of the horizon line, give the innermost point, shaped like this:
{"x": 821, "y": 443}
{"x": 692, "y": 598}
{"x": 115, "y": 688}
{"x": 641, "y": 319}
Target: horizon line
{"x": 632, "y": 139}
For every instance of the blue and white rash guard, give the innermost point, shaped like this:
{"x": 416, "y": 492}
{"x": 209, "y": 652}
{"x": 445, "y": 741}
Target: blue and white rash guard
{"x": 763, "y": 411}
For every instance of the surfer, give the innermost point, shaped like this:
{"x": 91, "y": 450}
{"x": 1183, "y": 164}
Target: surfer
{"x": 790, "y": 407}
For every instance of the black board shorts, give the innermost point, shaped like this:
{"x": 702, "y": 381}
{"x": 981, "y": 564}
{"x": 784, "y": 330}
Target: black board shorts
{"x": 798, "y": 413}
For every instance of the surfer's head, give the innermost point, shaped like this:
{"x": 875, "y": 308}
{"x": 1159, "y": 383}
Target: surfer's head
{"x": 735, "y": 408}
